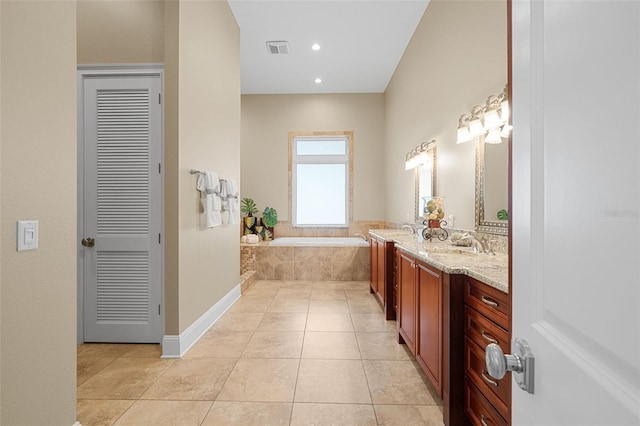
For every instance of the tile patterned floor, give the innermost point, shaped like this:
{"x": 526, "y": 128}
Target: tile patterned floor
{"x": 287, "y": 353}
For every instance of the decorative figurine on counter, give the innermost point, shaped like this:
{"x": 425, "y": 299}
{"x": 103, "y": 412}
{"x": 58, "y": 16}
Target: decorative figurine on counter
{"x": 433, "y": 219}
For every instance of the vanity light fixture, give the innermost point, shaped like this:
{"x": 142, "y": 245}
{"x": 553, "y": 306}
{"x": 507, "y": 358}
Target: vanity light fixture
{"x": 315, "y": 46}
{"x": 490, "y": 120}
{"x": 317, "y": 80}
{"x": 418, "y": 155}
{"x": 463, "y": 129}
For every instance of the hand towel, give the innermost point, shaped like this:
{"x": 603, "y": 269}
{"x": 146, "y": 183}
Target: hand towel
{"x": 209, "y": 187}
{"x": 233, "y": 203}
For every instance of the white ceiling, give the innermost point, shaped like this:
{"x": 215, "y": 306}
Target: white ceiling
{"x": 361, "y": 42}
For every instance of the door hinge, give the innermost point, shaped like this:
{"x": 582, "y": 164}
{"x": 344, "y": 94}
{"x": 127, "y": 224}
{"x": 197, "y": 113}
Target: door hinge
{"x": 159, "y": 167}
{"x": 160, "y": 98}
{"x": 158, "y": 309}
{"x": 159, "y": 238}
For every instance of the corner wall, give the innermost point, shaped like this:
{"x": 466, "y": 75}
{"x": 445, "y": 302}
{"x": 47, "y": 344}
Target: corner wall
{"x": 266, "y": 123}
{"x": 209, "y": 139}
{"x": 38, "y": 175}
{"x": 455, "y": 60}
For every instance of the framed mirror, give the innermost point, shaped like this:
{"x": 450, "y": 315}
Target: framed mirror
{"x": 492, "y": 187}
{"x": 426, "y": 179}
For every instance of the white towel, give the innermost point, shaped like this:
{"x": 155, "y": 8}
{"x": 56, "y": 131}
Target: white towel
{"x": 209, "y": 187}
{"x": 233, "y": 200}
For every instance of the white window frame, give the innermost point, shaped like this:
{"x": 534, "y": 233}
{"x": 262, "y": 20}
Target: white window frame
{"x": 321, "y": 159}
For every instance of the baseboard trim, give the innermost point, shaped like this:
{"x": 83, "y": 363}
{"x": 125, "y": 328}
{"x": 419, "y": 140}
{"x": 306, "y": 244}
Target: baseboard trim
{"x": 176, "y": 346}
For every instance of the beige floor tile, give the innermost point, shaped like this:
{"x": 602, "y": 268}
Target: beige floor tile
{"x": 88, "y": 367}
{"x": 364, "y": 307}
{"x": 396, "y": 382}
{"x": 261, "y": 292}
{"x": 293, "y": 293}
{"x": 268, "y": 284}
{"x": 165, "y": 413}
{"x": 382, "y": 346}
{"x": 307, "y": 285}
{"x": 332, "y": 381}
{"x": 144, "y": 351}
{"x": 238, "y": 321}
{"x": 103, "y": 350}
{"x": 261, "y": 380}
{"x": 328, "y": 285}
{"x": 330, "y": 345}
{"x": 329, "y": 322}
{"x": 101, "y": 412}
{"x": 409, "y": 415}
{"x": 275, "y": 344}
{"x": 373, "y": 323}
{"x": 283, "y": 321}
{"x": 327, "y": 294}
{"x": 251, "y": 305}
{"x": 333, "y": 415}
{"x": 328, "y": 307}
{"x": 358, "y": 295}
{"x": 125, "y": 378}
{"x": 192, "y": 380}
{"x": 357, "y": 285}
{"x": 248, "y": 413}
{"x": 220, "y": 344}
{"x": 289, "y": 305}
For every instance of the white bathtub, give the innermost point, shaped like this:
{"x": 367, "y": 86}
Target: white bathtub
{"x": 319, "y": 242}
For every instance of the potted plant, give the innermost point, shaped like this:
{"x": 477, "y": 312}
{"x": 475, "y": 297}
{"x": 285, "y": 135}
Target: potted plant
{"x": 248, "y": 207}
{"x": 270, "y": 220}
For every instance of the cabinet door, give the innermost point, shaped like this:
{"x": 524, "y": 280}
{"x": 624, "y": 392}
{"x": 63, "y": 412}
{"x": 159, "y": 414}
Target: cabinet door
{"x": 429, "y": 344}
{"x": 407, "y": 302}
{"x": 381, "y": 287}
{"x": 373, "y": 256}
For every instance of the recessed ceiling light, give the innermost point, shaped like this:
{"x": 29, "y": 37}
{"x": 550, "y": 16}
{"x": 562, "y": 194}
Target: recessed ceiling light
{"x": 315, "y": 46}
{"x": 318, "y": 80}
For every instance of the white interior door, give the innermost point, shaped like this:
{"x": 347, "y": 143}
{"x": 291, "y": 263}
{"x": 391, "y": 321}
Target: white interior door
{"x": 576, "y": 209}
{"x": 122, "y": 208}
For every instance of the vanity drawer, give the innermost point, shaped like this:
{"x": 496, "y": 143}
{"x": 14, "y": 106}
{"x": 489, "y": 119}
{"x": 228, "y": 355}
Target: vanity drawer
{"x": 488, "y": 301}
{"x": 478, "y": 410}
{"x": 484, "y": 331}
{"x": 496, "y": 391}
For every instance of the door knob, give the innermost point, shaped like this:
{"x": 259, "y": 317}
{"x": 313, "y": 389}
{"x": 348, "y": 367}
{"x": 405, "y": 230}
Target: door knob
{"x": 88, "y": 242}
{"x": 521, "y": 363}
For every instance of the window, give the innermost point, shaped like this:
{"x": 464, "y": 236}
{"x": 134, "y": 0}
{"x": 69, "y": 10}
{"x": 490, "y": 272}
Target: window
{"x": 320, "y": 180}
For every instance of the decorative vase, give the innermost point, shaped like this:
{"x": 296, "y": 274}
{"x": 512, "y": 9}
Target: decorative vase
{"x": 249, "y": 221}
{"x": 258, "y": 230}
{"x": 268, "y": 234}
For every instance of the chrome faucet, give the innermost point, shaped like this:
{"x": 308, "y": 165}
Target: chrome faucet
{"x": 364, "y": 237}
{"x": 476, "y": 245}
{"x": 411, "y": 230}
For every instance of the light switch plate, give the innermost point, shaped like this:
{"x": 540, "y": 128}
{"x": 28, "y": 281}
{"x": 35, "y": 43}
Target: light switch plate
{"x": 27, "y": 235}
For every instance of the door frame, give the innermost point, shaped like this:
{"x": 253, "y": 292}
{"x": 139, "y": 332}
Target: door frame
{"x": 121, "y": 70}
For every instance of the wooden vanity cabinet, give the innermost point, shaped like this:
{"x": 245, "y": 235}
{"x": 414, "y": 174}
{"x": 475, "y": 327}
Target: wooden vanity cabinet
{"x": 381, "y": 274}
{"x": 430, "y": 321}
{"x": 429, "y": 342}
{"x": 407, "y": 301}
{"x": 487, "y": 312}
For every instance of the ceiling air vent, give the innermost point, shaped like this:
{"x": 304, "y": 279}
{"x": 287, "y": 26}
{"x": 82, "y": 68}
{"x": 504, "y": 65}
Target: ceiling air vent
{"x": 278, "y": 47}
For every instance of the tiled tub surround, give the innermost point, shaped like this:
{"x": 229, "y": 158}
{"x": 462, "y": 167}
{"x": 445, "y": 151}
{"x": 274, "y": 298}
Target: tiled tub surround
{"x": 491, "y": 270}
{"x": 311, "y": 263}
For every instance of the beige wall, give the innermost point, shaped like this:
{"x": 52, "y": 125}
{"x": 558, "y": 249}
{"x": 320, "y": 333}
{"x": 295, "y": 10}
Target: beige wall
{"x": 119, "y": 32}
{"x": 455, "y": 60}
{"x": 266, "y": 122}
{"x": 38, "y": 174}
{"x": 209, "y": 139}
{"x": 199, "y": 44}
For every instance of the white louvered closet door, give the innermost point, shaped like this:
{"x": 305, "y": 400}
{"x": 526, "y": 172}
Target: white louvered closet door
{"x": 122, "y": 209}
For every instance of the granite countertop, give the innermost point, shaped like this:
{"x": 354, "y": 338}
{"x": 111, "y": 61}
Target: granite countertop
{"x": 491, "y": 270}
